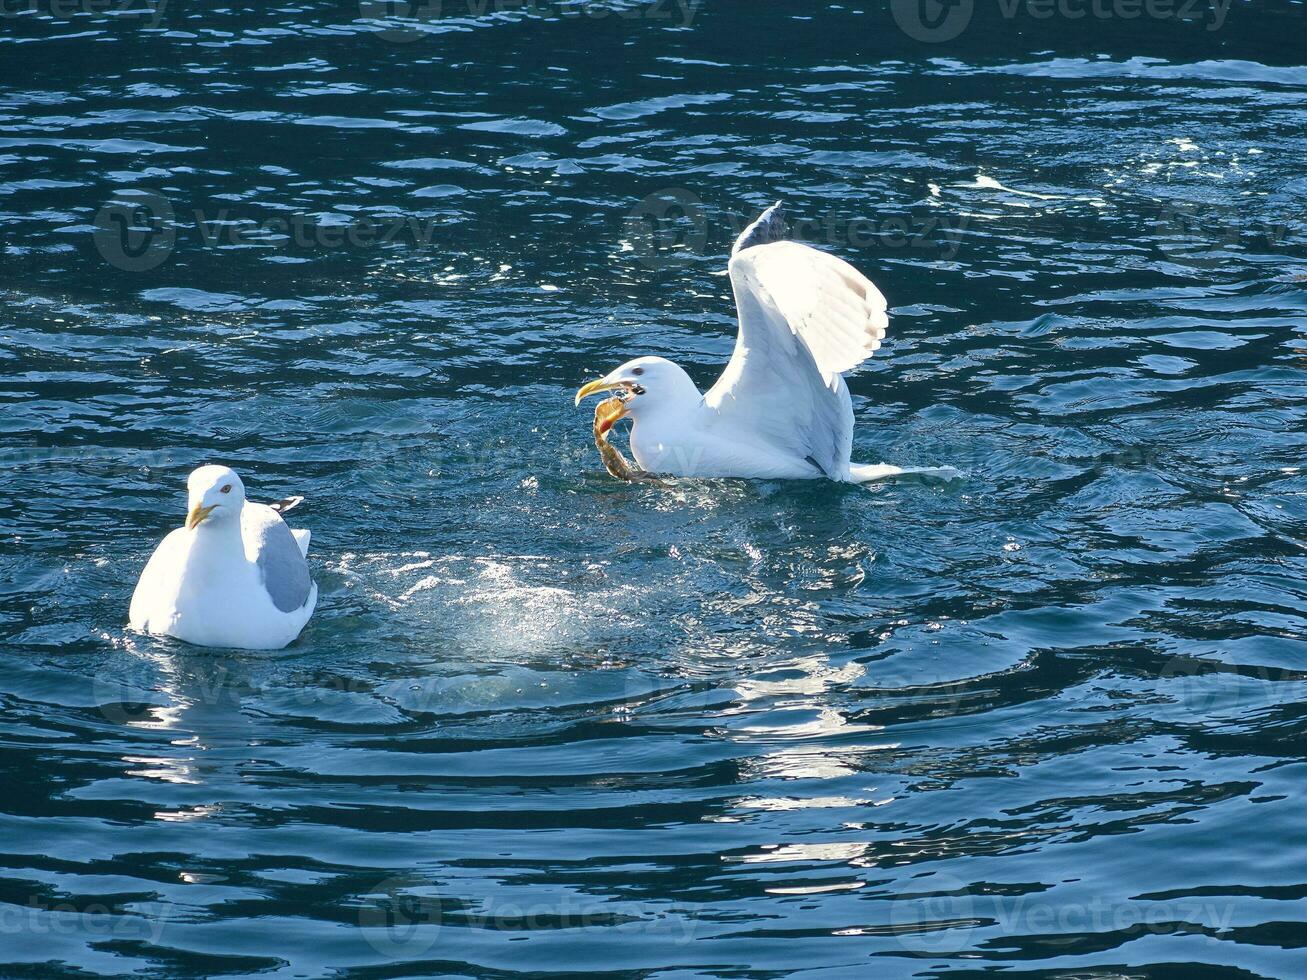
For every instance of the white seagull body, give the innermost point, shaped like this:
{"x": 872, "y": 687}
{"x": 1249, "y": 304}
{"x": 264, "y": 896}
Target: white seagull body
{"x": 780, "y": 409}
{"x": 235, "y": 576}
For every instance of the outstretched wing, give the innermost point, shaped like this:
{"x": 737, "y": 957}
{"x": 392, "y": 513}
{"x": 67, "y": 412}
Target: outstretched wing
{"x": 271, "y": 545}
{"x": 806, "y": 317}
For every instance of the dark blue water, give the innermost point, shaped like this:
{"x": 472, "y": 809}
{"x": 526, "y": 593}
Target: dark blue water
{"x": 1046, "y": 721}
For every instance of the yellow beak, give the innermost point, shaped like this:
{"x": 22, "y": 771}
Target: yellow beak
{"x": 197, "y": 514}
{"x": 594, "y": 387}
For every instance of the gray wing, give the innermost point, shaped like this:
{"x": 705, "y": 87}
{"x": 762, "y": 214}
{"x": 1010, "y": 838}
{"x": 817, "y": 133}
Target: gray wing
{"x": 269, "y": 543}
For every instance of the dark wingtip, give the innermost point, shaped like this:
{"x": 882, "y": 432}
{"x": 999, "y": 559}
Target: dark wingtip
{"x": 769, "y": 227}
{"x": 290, "y": 503}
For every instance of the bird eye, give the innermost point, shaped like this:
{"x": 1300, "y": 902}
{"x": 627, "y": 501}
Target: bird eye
{"x": 637, "y": 371}
{"x": 226, "y": 489}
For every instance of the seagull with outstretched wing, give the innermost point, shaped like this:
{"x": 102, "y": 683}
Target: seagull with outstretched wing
{"x": 781, "y": 409}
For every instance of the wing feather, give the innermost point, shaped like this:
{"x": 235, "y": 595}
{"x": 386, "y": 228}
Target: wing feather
{"x": 270, "y": 543}
{"x": 838, "y": 313}
{"x": 806, "y": 317}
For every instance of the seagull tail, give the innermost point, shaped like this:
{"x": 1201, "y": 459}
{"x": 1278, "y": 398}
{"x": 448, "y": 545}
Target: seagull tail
{"x": 875, "y": 472}
{"x": 302, "y": 537}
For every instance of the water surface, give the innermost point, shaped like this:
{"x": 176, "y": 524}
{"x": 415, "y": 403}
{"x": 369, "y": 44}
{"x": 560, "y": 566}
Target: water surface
{"x": 1045, "y": 721}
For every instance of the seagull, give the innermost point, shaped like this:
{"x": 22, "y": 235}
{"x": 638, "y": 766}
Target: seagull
{"x": 780, "y": 409}
{"x": 234, "y": 576}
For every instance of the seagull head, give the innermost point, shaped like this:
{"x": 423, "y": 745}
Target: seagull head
{"x": 645, "y": 386}
{"x": 215, "y": 493}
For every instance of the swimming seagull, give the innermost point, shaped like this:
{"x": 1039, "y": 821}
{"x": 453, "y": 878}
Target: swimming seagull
{"x": 234, "y": 576}
{"x": 781, "y": 409}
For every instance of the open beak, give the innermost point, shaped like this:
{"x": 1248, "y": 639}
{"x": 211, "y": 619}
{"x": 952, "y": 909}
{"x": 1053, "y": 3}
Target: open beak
{"x": 198, "y": 514}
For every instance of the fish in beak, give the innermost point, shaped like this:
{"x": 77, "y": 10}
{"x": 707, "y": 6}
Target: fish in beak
{"x": 607, "y": 413}
{"x": 198, "y": 514}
